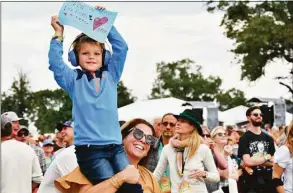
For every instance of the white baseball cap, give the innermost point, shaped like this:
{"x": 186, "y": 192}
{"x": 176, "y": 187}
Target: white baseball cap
{"x": 12, "y": 115}
{"x": 4, "y": 121}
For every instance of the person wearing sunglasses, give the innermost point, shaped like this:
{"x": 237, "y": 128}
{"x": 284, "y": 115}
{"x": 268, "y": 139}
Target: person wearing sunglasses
{"x": 220, "y": 138}
{"x": 256, "y": 149}
{"x": 23, "y": 136}
{"x": 138, "y": 138}
{"x": 187, "y": 157}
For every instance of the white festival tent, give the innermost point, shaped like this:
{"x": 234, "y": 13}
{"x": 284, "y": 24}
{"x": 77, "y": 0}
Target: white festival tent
{"x": 233, "y": 116}
{"x": 151, "y": 109}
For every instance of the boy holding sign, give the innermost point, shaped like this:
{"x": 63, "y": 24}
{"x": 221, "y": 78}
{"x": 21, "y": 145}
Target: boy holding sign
{"x": 93, "y": 91}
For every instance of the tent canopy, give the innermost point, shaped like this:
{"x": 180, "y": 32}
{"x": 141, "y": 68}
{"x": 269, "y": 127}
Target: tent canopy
{"x": 234, "y": 115}
{"x": 151, "y": 109}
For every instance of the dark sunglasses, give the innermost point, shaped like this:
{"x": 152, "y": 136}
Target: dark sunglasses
{"x": 221, "y": 134}
{"x": 20, "y": 134}
{"x": 257, "y": 114}
{"x": 168, "y": 123}
{"x": 139, "y": 134}
{"x": 206, "y": 135}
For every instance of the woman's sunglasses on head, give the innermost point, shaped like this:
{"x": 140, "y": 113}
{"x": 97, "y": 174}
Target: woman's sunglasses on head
{"x": 139, "y": 134}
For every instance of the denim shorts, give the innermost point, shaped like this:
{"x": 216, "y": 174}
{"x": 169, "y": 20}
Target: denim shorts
{"x": 100, "y": 162}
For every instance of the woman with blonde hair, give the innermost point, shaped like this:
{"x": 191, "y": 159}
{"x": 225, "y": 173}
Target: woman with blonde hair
{"x": 283, "y": 165}
{"x": 220, "y": 137}
{"x": 187, "y": 157}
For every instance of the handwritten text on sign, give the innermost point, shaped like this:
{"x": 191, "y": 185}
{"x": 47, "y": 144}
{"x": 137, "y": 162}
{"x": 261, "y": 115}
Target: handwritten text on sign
{"x": 93, "y": 22}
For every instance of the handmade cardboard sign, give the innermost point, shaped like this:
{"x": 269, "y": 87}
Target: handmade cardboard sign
{"x": 93, "y": 22}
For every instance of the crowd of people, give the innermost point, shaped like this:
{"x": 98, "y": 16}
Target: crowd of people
{"x": 174, "y": 154}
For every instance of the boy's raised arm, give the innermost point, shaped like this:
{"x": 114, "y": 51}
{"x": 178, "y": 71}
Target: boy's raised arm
{"x": 63, "y": 75}
{"x": 118, "y": 57}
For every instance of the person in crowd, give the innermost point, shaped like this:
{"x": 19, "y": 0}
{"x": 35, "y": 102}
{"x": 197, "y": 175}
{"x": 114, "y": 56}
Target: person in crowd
{"x": 59, "y": 139}
{"x": 48, "y": 147}
{"x": 64, "y": 131}
{"x": 20, "y": 168}
{"x": 157, "y": 126}
{"x": 23, "y": 136}
{"x": 15, "y": 122}
{"x": 167, "y": 124}
{"x": 229, "y": 130}
{"x": 282, "y": 135}
{"x": 256, "y": 149}
{"x": 64, "y": 162}
{"x": 219, "y": 159}
{"x": 283, "y": 165}
{"x": 220, "y": 137}
{"x": 138, "y": 137}
{"x": 187, "y": 157}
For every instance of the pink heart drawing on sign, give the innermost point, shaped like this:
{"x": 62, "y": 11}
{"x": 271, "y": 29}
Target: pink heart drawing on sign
{"x": 99, "y": 21}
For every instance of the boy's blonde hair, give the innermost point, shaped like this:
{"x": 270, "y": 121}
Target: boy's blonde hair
{"x": 85, "y": 39}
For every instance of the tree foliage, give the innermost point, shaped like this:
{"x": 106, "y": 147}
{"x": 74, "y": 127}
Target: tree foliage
{"x": 18, "y": 97}
{"x": 124, "y": 95}
{"x": 183, "y": 79}
{"x": 262, "y": 33}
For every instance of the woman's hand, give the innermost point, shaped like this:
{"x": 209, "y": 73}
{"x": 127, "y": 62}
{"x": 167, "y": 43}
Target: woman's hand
{"x": 195, "y": 174}
{"x": 130, "y": 175}
{"x": 228, "y": 150}
{"x": 56, "y": 25}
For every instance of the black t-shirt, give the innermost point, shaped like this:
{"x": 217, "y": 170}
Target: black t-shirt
{"x": 256, "y": 146}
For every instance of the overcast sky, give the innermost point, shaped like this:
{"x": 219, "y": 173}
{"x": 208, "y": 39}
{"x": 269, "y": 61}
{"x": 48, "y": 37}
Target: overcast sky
{"x": 154, "y": 32}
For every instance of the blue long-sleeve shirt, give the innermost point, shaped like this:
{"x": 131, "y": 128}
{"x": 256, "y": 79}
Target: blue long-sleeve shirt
{"x": 94, "y": 113}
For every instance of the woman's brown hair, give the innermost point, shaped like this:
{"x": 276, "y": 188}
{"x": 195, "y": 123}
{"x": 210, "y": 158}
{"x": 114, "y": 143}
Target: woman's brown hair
{"x": 125, "y": 131}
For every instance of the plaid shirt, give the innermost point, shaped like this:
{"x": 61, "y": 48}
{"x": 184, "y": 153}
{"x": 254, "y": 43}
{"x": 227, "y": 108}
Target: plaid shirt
{"x": 41, "y": 156}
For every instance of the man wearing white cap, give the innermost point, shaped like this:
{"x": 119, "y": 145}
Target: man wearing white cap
{"x": 20, "y": 168}
{"x": 64, "y": 162}
{"x": 15, "y": 122}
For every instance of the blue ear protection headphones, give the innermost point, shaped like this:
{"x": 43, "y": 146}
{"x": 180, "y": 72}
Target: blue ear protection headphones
{"x": 73, "y": 56}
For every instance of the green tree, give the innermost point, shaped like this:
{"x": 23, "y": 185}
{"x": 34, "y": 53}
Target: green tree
{"x": 230, "y": 98}
{"x": 50, "y": 107}
{"x": 18, "y": 97}
{"x": 262, "y": 33}
{"x": 124, "y": 95}
{"x": 183, "y": 79}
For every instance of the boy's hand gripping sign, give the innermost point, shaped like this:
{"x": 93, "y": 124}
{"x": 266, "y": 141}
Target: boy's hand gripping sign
{"x": 93, "y": 22}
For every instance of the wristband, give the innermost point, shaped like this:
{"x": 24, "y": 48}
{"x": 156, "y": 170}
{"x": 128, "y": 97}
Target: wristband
{"x": 276, "y": 182}
{"x": 58, "y": 37}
